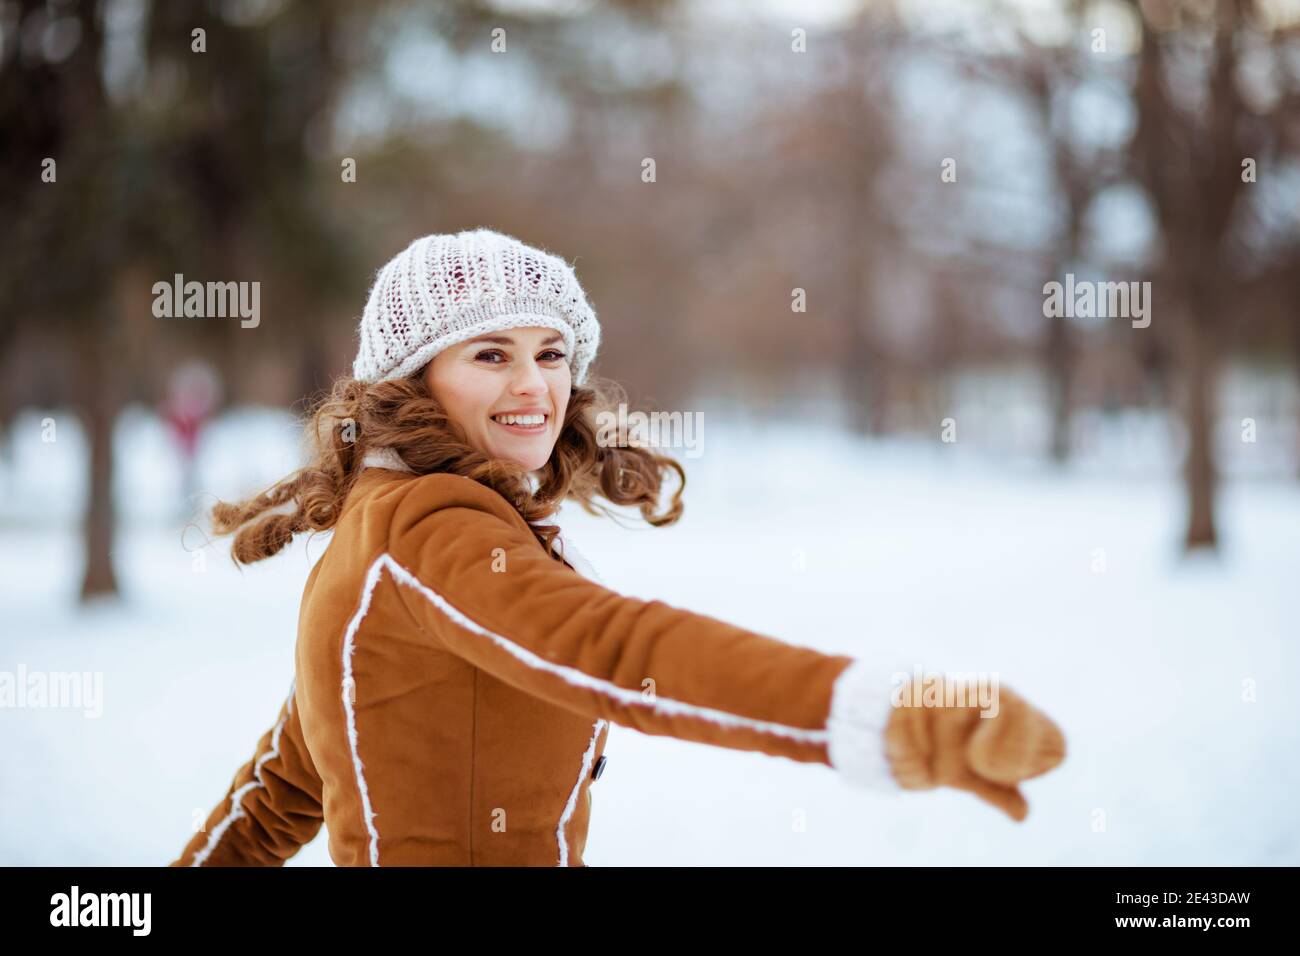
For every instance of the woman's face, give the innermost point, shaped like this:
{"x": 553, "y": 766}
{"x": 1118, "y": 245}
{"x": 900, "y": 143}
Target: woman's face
{"x": 524, "y": 371}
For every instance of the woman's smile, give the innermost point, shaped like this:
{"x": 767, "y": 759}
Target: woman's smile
{"x": 526, "y": 421}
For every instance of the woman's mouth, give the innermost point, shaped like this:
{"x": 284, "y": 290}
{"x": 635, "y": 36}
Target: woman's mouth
{"x": 523, "y": 424}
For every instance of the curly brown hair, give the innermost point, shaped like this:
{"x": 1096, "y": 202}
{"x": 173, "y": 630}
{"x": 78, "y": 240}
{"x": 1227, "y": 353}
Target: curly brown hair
{"x": 353, "y": 417}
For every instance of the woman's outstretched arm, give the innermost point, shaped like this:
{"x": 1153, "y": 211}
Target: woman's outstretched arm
{"x": 273, "y": 806}
{"x": 477, "y": 582}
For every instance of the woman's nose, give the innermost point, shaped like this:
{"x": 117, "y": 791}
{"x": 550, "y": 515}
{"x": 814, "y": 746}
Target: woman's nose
{"x": 529, "y": 378}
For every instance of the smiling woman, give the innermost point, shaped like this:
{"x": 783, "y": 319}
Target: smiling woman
{"x": 455, "y": 682}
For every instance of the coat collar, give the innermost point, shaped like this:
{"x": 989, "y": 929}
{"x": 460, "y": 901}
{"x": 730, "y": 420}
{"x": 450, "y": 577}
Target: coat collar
{"x": 384, "y": 458}
{"x": 388, "y": 458}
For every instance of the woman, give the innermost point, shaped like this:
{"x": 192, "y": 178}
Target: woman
{"x": 457, "y": 664}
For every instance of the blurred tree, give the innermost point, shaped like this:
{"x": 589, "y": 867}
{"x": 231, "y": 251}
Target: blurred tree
{"x": 193, "y": 158}
{"x": 1080, "y": 170}
{"x": 854, "y": 119}
{"x": 1196, "y": 130}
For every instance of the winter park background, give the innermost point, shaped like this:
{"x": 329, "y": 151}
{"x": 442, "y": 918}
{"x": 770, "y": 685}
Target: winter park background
{"x": 921, "y": 464}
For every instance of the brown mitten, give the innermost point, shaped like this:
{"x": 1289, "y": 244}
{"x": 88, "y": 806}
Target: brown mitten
{"x": 953, "y": 746}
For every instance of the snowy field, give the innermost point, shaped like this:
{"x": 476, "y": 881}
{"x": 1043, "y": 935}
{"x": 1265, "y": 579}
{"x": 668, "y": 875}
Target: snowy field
{"x": 927, "y": 554}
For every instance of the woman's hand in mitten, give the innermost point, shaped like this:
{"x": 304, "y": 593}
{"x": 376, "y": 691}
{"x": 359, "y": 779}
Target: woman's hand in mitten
{"x": 954, "y": 746}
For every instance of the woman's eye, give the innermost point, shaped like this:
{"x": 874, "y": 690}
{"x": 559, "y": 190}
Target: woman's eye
{"x": 550, "y": 355}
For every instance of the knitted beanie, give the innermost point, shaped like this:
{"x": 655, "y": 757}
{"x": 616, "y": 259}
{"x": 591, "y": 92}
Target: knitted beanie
{"x": 445, "y": 288}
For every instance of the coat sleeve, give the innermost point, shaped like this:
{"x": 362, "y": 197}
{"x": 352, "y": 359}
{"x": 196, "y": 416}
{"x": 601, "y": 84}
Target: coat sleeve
{"x": 478, "y": 582}
{"x": 273, "y": 806}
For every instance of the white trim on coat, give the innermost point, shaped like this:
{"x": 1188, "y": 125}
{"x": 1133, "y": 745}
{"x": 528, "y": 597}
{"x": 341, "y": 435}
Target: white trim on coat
{"x": 236, "y": 799}
{"x": 385, "y": 458}
{"x": 587, "y": 758}
{"x": 570, "y": 552}
{"x": 623, "y": 695}
{"x": 862, "y": 701}
{"x": 348, "y": 686}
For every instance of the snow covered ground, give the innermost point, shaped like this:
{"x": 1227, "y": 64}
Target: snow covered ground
{"x": 1069, "y": 586}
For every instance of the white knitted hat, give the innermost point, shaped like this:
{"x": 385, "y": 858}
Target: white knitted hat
{"x": 445, "y": 288}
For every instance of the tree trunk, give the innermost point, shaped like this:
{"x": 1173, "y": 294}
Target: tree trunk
{"x": 1058, "y": 379}
{"x": 1201, "y": 366}
{"x": 97, "y": 402}
{"x": 863, "y": 377}
{"x": 864, "y": 364}
{"x": 1296, "y": 329}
